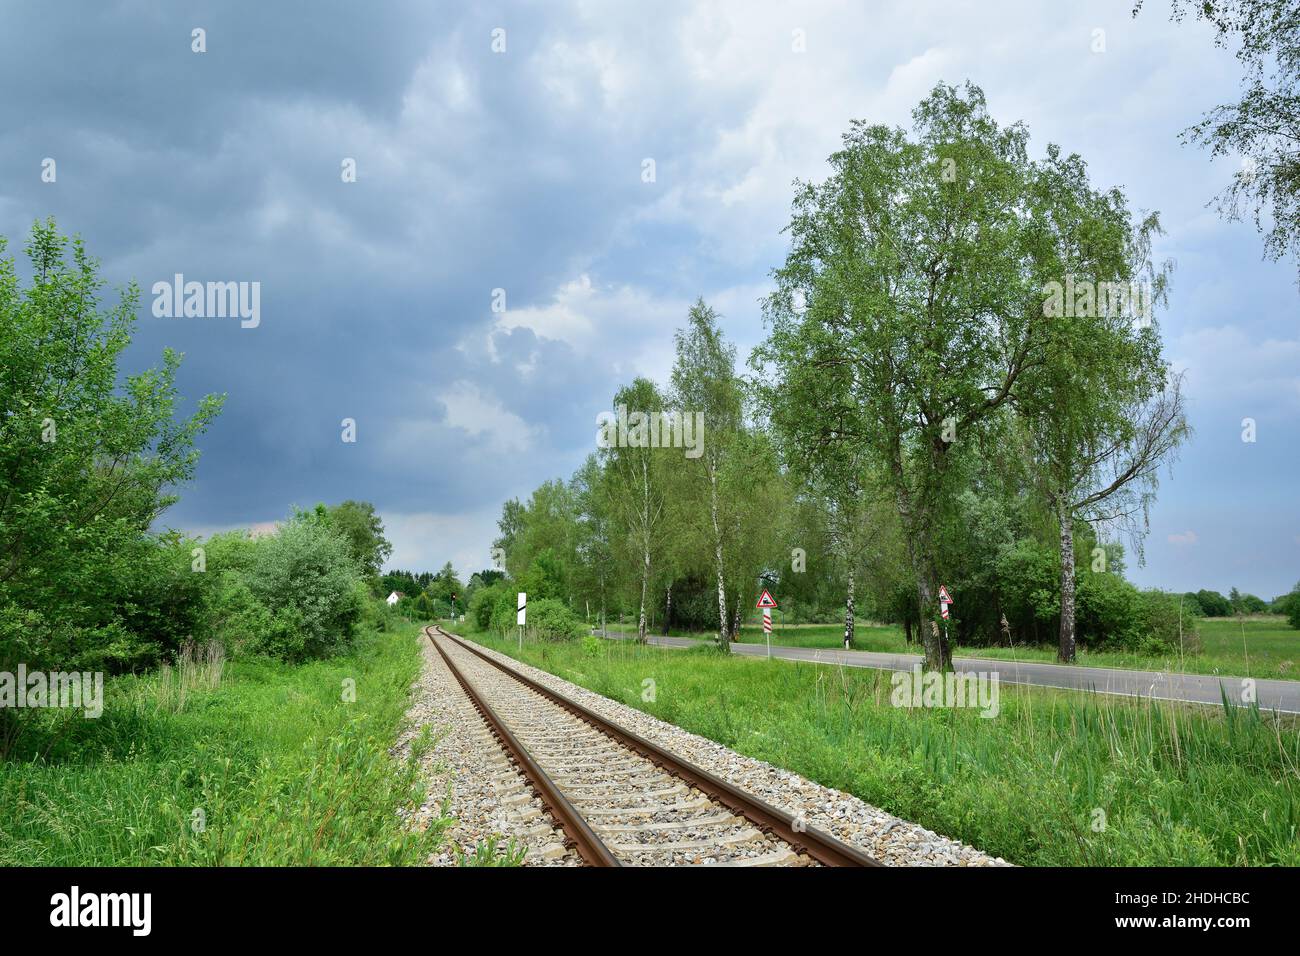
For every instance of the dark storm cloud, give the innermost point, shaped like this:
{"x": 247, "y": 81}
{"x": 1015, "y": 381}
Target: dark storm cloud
{"x": 226, "y": 166}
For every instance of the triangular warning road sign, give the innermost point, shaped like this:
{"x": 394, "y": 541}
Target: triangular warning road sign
{"x": 943, "y": 595}
{"x": 766, "y": 600}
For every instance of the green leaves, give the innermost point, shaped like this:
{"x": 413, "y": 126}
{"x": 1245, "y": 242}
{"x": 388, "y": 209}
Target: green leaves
{"x": 87, "y": 464}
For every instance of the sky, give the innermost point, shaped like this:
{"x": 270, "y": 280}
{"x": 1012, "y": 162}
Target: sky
{"x": 499, "y": 154}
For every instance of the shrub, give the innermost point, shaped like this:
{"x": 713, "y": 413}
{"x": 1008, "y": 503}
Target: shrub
{"x": 504, "y": 611}
{"x": 234, "y": 615}
{"x": 1164, "y": 627}
{"x": 307, "y": 574}
{"x": 1107, "y": 611}
{"x": 1028, "y": 575}
{"x": 550, "y": 620}
{"x": 1192, "y": 605}
{"x": 483, "y": 602}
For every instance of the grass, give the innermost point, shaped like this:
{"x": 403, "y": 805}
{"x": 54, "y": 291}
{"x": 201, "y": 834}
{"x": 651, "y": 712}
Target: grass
{"x": 268, "y": 764}
{"x": 1260, "y": 646}
{"x": 1165, "y": 784}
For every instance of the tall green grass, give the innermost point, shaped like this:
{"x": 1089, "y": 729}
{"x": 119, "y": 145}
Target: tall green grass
{"x": 271, "y": 766}
{"x": 1057, "y": 778}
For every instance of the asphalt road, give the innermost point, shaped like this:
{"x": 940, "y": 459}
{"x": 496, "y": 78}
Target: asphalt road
{"x": 1273, "y": 695}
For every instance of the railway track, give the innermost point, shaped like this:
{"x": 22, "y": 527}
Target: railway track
{"x": 622, "y": 800}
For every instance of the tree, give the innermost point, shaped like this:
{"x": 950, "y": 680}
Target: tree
{"x": 753, "y": 502}
{"x": 357, "y": 522}
{"x": 88, "y": 460}
{"x": 1213, "y": 603}
{"x": 594, "y": 547}
{"x": 548, "y": 521}
{"x": 1098, "y": 406}
{"x": 909, "y": 306}
{"x": 446, "y": 587}
{"x": 635, "y": 471}
{"x": 487, "y": 576}
{"x": 511, "y": 526}
{"x": 1263, "y": 127}
{"x": 704, "y": 382}
{"x": 835, "y": 482}
{"x": 546, "y": 577}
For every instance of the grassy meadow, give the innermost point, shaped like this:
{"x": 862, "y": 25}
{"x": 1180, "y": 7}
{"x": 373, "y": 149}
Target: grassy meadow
{"x": 252, "y": 762}
{"x": 1057, "y": 778}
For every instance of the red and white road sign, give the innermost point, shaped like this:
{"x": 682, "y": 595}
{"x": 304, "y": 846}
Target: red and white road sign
{"x": 943, "y": 609}
{"x": 767, "y": 620}
{"x": 766, "y": 600}
{"x": 943, "y": 596}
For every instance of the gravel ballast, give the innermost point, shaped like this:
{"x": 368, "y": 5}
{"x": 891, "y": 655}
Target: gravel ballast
{"x": 890, "y": 839}
{"x": 468, "y": 777}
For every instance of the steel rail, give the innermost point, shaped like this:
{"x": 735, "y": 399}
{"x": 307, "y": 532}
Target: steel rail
{"x": 821, "y": 846}
{"x": 579, "y": 834}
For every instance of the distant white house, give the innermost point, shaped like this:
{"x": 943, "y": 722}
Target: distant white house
{"x": 393, "y": 598}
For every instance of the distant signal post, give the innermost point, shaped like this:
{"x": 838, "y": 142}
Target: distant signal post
{"x": 523, "y": 604}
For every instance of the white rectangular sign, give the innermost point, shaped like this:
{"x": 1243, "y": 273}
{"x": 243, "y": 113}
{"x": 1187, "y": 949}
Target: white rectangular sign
{"x": 523, "y": 603}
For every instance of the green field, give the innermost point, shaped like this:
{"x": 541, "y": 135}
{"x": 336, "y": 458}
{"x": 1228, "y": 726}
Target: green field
{"x": 1256, "y": 646}
{"x": 282, "y": 770}
{"x": 1178, "y": 785}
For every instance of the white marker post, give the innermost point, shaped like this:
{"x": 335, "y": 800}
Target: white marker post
{"x": 519, "y": 619}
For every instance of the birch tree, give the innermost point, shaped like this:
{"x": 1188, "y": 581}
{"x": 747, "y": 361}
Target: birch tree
{"x": 594, "y": 547}
{"x": 635, "y": 470}
{"x": 1099, "y": 406}
{"x": 704, "y": 380}
{"x": 909, "y": 306}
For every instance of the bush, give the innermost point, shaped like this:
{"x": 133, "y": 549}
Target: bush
{"x": 1106, "y": 611}
{"x": 1162, "y": 630}
{"x": 1029, "y": 581}
{"x": 484, "y": 602}
{"x": 1192, "y": 605}
{"x": 304, "y": 577}
{"x": 550, "y": 620}
{"x": 504, "y": 611}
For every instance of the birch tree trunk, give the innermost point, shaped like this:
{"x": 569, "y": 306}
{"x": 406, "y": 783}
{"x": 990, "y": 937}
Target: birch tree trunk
{"x": 1066, "y": 650}
{"x": 717, "y": 557}
{"x": 645, "y": 584}
{"x": 848, "y": 616}
{"x": 668, "y": 611}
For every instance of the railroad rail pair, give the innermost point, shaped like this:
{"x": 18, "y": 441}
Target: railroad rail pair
{"x": 775, "y": 823}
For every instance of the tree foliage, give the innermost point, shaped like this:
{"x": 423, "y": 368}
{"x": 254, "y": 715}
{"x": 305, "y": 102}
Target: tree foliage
{"x": 1263, "y": 126}
{"x": 90, "y": 459}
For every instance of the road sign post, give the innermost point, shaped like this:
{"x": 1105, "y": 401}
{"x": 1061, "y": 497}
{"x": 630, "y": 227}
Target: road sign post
{"x": 945, "y": 599}
{"x": 765, "y": 603}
